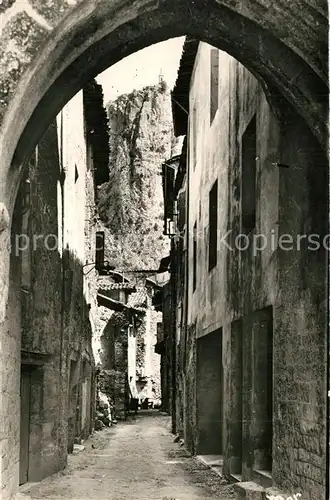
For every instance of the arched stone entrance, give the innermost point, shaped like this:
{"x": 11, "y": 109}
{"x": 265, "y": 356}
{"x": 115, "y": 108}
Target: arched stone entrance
{"x": 49, "y": 51}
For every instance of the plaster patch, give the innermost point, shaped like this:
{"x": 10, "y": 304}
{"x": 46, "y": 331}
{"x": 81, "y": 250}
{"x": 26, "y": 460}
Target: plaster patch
{"x": 37, "y": 17}
{"x": 4, "y": 217}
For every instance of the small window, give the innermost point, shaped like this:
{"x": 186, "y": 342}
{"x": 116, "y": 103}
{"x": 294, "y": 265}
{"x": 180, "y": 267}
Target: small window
{"x": 249, "y": 154}
{"x": 213, "y": 225}
{"x": 214, "y": 83}
{"x": 76, "y": 175}
{"x": 195, "y": 257}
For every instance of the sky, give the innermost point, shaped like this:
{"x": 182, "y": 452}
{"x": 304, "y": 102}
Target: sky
{"x": 142, "y": 68}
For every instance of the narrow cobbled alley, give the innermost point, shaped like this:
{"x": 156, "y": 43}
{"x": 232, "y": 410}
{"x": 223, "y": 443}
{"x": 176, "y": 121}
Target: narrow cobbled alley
{"x": 134, "y": 460}
{"x": 164, "y": 250}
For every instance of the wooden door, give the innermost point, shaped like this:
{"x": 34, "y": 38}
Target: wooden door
{"x": 25, "y": 424}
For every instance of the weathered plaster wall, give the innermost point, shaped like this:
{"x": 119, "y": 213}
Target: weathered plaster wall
{"x": 294, "y": 38}
{"x": 52, "y": 311}
{"x": 38, "y": 43}
{"x": 79, "y": 239}
{"x": 10, "y": 376}
{"x": 149, "y": 360}
{"x": 289, "y": 200}
{"x": 41, "y": 315}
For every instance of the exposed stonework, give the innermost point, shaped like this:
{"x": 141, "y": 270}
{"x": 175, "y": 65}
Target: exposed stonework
{"x": 262, "y": 310}
{"x": 49, "y": 345}
{"x": 283, "y": 43}
{"x": 20, "y": 39}
{"x": 51, "y": 10}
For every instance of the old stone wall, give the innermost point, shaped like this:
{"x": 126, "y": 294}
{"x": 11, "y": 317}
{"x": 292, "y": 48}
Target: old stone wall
{"x": 78, "y": 248}
{"x": 130, "y": 206}
{"x": 49, "y": 305}
{"x": 40, "y": 53}
{"x": 242, "y": 285}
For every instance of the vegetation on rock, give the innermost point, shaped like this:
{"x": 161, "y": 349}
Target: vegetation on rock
{"x": 131, "y": 203}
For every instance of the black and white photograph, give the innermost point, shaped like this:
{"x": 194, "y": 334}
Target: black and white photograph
{"x": 164, "y": 250}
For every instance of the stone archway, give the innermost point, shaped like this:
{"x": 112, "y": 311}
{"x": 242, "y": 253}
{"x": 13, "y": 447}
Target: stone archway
{"x": 50, "y": 51}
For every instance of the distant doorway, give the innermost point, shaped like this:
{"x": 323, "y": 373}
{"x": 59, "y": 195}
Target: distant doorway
{"x": 209, "y": 380}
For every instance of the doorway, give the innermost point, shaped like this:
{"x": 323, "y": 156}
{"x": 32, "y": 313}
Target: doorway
{"x": 262, "y": 389}
{"x": 236, "y": 398}
{"x": 25, "y": 395}
{"x": 210, "y": 394}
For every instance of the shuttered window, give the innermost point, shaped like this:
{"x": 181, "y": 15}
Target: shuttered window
{"x": 214, "y": 83}
{"x": 249, "y": 177}
{"x": 213, "y": 225}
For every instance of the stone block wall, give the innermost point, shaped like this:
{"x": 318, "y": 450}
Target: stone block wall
{"x": 290, "y": 199}
{"x": 48, "y": 310}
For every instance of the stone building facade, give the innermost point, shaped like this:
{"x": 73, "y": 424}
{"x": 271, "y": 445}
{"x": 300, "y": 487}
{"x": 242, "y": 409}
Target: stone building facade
{"x": 249, "y": 280}
{"x": 50, "y": 50}
{"x": 127, "y": 340}
{"x": 52, "y": 309}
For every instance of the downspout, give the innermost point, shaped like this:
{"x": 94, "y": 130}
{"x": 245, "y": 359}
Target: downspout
{"x": 173, "y": 318}
{"x": 186, "y": 279}
{"x": 62, "y": 179}
{"x": 327, "y": 344}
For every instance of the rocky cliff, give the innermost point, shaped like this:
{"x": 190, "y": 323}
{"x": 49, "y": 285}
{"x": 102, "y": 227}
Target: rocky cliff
{"x": 131, "y": 203}
{"x": 130, "y": 207}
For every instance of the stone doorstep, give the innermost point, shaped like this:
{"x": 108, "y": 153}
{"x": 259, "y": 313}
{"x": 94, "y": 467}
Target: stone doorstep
{"x": 275, "y": 492}
{"x": 214, "y": 462}
{"x": 211, "y": 460}
{"x": 249, "y": 490}
{"x": 24, "y": 487}
{"x": 254, "y": 491}
{"x": 23, "y": 496}
{"x": 235, "y": 478}
{"x": 262, "y": 477}
{"x": 217, "y": 469}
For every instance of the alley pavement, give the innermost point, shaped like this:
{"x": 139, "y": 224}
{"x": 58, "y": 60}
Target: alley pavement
{"x": 138, "y": 460}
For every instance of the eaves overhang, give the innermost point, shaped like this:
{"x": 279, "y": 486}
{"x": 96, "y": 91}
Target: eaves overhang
{"x": 115, "y": 305}
{"x": 180, "y": 92}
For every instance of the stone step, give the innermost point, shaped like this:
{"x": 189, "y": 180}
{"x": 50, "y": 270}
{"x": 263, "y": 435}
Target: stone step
{"x": 263, "y": 477}
{"x": 217, "y": 469}
{"x": 249, "y": 490}
{"x": 235, "y": 478}
{"x": 279, "y": 495}
{"x": 253, "y": 491}
{"x": 211, "y": 460}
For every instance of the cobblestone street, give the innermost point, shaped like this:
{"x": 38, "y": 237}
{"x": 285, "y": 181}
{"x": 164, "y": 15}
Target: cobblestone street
{"x": 133, "y": 460}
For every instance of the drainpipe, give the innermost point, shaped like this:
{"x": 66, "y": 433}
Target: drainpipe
{"x": 63, "y": 277}
{"x": 186, "y": 280}
{"x": 327, "y": 343}
{"x": 173, "y": 325}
